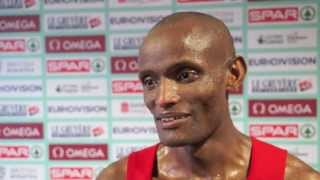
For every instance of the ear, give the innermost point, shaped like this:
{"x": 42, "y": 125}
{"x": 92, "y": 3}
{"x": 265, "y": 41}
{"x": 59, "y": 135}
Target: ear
{"x": 236, "y": 72}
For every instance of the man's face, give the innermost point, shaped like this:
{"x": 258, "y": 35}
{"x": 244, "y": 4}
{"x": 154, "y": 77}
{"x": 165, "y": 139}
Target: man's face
{"x": 183, "y": 76}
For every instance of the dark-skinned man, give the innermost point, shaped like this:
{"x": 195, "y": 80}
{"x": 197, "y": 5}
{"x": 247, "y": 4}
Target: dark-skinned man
{"x": 187, "y": 65}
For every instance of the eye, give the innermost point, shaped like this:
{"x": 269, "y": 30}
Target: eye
{"x": 187, "y": 75}
{"x": 149, "y": 83}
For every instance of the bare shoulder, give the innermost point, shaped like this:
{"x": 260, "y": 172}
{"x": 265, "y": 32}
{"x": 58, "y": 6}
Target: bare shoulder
{"x": 297, "y": 169}
{"x": 115, "y": 171}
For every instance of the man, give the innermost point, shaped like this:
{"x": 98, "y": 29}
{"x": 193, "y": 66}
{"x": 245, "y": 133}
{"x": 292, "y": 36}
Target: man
{"x": 187, "y": 65}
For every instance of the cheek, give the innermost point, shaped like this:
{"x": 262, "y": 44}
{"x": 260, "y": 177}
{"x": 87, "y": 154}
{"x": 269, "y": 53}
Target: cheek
{"x": 148, "y": 99}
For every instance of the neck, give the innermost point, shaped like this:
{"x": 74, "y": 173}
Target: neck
{"x": 225, "y": 151}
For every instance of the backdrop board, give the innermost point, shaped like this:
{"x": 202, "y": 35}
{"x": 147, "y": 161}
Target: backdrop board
{"x": 71, "y": 102}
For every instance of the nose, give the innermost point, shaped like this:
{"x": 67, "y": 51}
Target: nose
{"x": 167, "y": 94}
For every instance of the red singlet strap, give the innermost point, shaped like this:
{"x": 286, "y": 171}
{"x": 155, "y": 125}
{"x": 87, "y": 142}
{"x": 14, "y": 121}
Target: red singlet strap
{"x": 140, "y": 163}
{"x": 267, "y": 162}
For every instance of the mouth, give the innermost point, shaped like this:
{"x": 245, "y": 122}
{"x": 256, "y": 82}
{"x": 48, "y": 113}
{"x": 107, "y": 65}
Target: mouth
{"x": 172, "y": 120}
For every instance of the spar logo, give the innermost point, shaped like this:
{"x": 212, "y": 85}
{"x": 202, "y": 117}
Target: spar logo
{"x": 75, "y": 44}
{"x": 71, "y": 173}
{"x": 77, "y": 21}
{"x": 290, "y": 130}
{"x": 17, "y": 4}
{"x": 283, "y": 108}
{"x": 14, "y": 152}
{"x": 27, "y": 23}
{"x": 126, "y": 87}
{"x": 75, "y": 66}
{"x": 18, "y": 110}
{"x": 21, "y": 131}
{"x": 126, "y": 64}
{"x": 235, "y": 107}
{"x": 21, "y": 152}
{"x": 281, "y": 14}
{"x": 19, "y": 45}
{"x": 68, "y": 66}
{"x": 274, "y": 130}
{"x": 78, "y": 152}
{"x": 16, "y": 45}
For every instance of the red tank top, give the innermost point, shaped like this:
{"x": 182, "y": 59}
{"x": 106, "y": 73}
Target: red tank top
{"x": 267, "y": 162}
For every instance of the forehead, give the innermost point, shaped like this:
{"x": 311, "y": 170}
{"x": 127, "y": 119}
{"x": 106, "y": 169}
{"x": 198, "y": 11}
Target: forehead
{"x": 189, "y": 41}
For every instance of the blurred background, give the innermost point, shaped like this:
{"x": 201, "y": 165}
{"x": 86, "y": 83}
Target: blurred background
{"x": 71, "y": 102}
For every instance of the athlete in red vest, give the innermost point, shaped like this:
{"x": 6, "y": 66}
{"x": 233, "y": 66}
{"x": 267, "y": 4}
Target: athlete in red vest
{"x": 187, "y": 66}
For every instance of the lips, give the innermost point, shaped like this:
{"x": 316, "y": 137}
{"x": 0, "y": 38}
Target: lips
{"x": 172, "y": 120}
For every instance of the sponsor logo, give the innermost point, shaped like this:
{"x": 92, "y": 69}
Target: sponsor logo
{"x": 73, "y": 4}
{"x": 278, "y": 14}
{"x": 19, "y": 45}
{"x": 236, "y": 90}
{"x": 134, "y": 130}
{"x": 129, "y": 109}
{"x": 71, "y": 173}
{"x": 21, "y": 152}
{"x": 274, "y": 131}
{"x": 237, "y": 39}
{"x": 283, "y": 108}
{"x": 14, "y": 152}
{"x": 230, "y": 16}
{"x": 138, "y": 3}
{"x": 236, "y": 108}
{"x": 20, "y": 110}
{"x": 127, "y": 64}
{"x": 305, "y": 152}
{"x": 21, "y": 88}
{"x": 27, "y": 23}
{"x": 302, "y": 131}
{"x": 21, "y": 131}
{"x": 124, "y": 87}
{"x": 77, "y": 87}
{"x": 18, "y": 4}
{"x": 126, "y": 42}
{"x": 76, "y": 65}
{"x": 137, "y": 20}
{"x": 75, "y": 44}
{"x": 282, "y": 85}
{"x": 292, "y": 61}
{"x": 121, "y": 150}
{"x": 282, "y": 38}
{"x": 78, "y": 21}
{"x": 308, "y": 130}
{"x": 76, "y": 109}
{"x": 207, "y": 1}
{"x": 92, "y": 130}
{"x": 20, "y": 67}
{"x": 22, "y": 172}
{"x": 282, "y": 14}
{"x": 78, "y": 152}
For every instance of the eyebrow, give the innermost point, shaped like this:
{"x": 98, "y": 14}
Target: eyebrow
{"x": 171, "y": 68}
